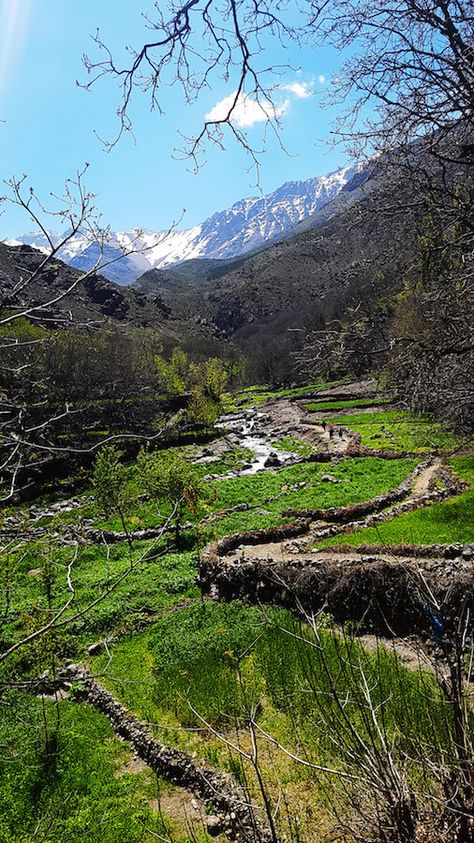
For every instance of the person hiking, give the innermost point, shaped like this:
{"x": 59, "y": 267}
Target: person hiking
{"x": 331, "y": 430}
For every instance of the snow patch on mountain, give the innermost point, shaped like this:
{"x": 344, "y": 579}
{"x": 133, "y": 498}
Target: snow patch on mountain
{"x": 247, "y": 225}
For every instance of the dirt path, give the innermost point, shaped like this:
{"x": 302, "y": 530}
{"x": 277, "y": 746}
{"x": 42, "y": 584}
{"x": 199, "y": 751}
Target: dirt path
{"x": 426, "y": 479}
{"x": 279, "y": 551}
{"x": 420, "y": 491}
{"x": 282, "y": 417}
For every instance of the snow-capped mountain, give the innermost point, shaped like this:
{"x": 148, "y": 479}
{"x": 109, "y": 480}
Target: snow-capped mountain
{"x": 226, "y": 234}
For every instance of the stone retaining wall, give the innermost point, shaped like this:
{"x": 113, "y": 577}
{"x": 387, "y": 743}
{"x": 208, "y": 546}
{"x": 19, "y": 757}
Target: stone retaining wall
{"x": 214, "y": 551}
{"x": 229, "y": 800}
{"x": 379, "y": 595}
{"x": 414, "y": 551}
{"x": 420, "y": 502}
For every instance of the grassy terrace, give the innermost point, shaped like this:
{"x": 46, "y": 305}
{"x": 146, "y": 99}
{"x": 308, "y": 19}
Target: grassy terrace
{"x": 268, "y": 493}
{"x": 217, "y": 659}
{"x": 398, "y": 430}
{"x": 163, "y": 576}
{"x": 221, "y": 660}
{"x": 318, "y": 406}
{"x": 157, "y": 582}
{"x": 158, "y": 671}
{"x": 444, "y": 523}
{"x": 294, "y": 445}
{"x": 301, "y": 487}
{"x": 254, "y": 395}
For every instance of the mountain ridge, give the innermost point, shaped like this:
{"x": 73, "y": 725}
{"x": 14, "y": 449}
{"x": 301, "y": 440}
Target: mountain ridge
{"x": 247, "y": 225}
{"x": 345, "y": 256}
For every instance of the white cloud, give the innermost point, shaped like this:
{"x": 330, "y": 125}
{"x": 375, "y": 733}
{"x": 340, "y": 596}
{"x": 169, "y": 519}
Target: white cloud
{"x": 301, "y": 90}
{"x": 247, "y": 111}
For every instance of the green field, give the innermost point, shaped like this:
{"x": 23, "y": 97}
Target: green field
{"x": 267, "y": 493}
{"x": 176, "y": 660}
{"x": 441, "y": 523}
{"x": 294, "y": 445}
{"x": 322, "y": 406}
{"x": 255, "y": 395}
{"x": 155, "y": 583}
{"x": 300, "y": 487}
{"x": 65, "y": 776}
{"x": 160, "y": 575}
{"x": 266, "y": 661}
{"x": 398, "y": 430}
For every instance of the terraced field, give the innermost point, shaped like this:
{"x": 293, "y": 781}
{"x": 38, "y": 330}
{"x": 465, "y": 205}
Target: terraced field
{"x": 324, "y": 534}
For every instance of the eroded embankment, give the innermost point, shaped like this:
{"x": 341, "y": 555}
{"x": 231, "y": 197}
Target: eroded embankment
{"x": 381, "y": 595}
{"x": 229, "y": 800}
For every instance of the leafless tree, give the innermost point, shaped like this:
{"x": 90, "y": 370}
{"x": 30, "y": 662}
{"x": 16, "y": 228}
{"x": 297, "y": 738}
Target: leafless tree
{"x": 194, "y": 43}
{"x": 37, "y": 297}
{"x": 408, "y": 73}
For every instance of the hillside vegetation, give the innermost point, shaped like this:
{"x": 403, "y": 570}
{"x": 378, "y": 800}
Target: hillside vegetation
{"x": 236, "y": 497}
{"x": 214, "y": 679}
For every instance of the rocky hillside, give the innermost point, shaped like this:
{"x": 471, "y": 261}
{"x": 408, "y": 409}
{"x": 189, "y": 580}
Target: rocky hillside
{"x": 93, "y": 299}
{"x": 346, "y": 254}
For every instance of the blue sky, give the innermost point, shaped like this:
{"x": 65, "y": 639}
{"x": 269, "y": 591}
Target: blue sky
{"x": 49, "y": 122}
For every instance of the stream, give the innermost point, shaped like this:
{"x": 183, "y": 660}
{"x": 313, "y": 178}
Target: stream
{"x": 246, "y": 428}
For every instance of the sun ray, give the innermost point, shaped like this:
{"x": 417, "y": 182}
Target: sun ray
{"x": 14, "y": 22}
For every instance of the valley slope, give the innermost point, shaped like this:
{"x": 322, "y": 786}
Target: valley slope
{"x": 349, "y": 254}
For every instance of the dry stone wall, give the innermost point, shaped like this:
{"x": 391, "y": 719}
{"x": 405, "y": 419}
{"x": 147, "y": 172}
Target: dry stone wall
{"x": 230, "y": 802}
{"x": 378, "y": 594}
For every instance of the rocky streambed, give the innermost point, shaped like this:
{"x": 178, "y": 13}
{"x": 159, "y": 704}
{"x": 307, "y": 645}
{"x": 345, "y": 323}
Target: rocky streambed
{"x": 253, "y": 433}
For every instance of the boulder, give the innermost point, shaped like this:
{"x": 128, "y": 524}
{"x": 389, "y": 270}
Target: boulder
{"x": 214, "y": 825}
{"x": 329, "y": 478}
{"x": 272, "y": 461}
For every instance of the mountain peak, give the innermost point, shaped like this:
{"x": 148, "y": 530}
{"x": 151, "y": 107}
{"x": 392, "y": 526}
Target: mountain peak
{"x": 245, "y": 226}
